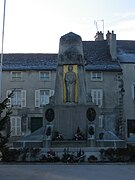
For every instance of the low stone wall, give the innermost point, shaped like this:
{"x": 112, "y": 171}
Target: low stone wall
{"x": 28, "y": 144}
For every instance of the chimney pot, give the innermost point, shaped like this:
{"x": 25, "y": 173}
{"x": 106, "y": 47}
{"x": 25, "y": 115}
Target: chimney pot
{"x": 99, "y": 36}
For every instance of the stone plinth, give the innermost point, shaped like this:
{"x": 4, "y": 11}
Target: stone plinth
{"x": 69, "y": 117}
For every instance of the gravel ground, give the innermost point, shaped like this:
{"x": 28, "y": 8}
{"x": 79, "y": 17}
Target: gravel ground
{"x": 67, "y": 172}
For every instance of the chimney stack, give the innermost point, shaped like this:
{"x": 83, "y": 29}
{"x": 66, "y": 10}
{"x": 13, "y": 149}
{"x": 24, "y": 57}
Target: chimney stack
{"x": 108, "y": 36}
{"x": 111, "y": 39}
{"x": 113, "y": 45}
{"x": 99, "y": 36}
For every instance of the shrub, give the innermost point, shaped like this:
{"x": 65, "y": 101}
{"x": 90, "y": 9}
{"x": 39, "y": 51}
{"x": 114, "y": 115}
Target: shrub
{"x": 92, "y": 158}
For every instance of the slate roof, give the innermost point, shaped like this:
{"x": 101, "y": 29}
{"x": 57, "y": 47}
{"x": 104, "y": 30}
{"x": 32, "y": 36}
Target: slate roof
{"x": 29, "y": 61}
{"x": 97, "y": 56}
{"x": 96, "y": 53}
{"x": 126, "y": 51}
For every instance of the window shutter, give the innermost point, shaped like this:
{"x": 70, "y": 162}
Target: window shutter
{"x": 37, "y": 98}
{"x": 11, "y": 76}
{"x": 12, "y": 126}
{"x": 23, "y": 98}
{"x": 93, "y": 96}
{"x": 133, "y": 91}
{"x": 101, "y": 97}
{"x": 7, "y": 93}
{"x": 101, "y": 121}
{"x": 18, "y": 126}
{"x": 15, "y": 125}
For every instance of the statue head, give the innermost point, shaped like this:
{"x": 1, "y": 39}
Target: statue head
{"x": 70, "y": 68}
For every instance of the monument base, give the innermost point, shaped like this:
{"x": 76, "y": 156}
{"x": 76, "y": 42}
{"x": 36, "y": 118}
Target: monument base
{"x": 69, "y": 119}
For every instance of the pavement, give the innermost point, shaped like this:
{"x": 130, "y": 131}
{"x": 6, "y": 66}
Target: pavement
{"x": 56, "y": 171}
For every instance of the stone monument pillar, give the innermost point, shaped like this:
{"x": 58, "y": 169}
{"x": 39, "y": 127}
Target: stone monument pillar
{"x": 69, "y": 109}
{"x": 70, "y": 77}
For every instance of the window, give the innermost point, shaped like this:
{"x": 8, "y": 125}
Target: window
{"x": 42, "y": 97}
{"x": 15, "y": 126}
{"x": 133, "y": 91}
{"x": 96, "y": 76}
{"x": 131, "y": 128}
{"x": 97, "y": 96}
{"x": 44, "y": 76}
{"x": 18, "y": 99}
{"x": 16, "y": 76}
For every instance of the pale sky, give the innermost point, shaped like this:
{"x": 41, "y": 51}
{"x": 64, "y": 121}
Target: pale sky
{"x": 35, "y": 26}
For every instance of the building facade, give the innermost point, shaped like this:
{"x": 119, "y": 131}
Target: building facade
{"x": 126, "y": 57}
{"x": 110, "y": 84}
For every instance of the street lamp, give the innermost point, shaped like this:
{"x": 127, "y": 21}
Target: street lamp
{"x": 122, "y": 91}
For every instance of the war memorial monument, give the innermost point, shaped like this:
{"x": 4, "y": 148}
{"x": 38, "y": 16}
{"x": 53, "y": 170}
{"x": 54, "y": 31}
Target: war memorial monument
{"x": 71, "y": 110}
{"x": 71, "y": 119}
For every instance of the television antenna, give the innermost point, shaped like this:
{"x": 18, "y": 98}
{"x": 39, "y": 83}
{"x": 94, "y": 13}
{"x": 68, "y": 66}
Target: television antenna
{"x": 96, "y": 22}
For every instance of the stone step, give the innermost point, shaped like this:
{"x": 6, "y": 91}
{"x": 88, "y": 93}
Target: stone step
{"x": 69, "y": 143}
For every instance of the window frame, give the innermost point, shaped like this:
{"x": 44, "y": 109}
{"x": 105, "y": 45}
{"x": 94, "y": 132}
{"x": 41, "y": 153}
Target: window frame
{"x": 44, "y": 78}
{"x": 20, "y": 101}
{"x": 97, "y": 99}
{"x": 96, "y": 77}
{"x": 38, "y": 97}
{"x": 16, "y": 78}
